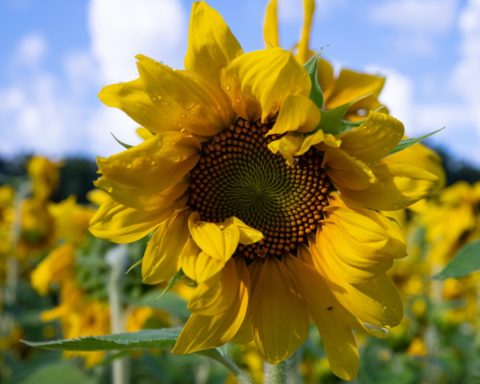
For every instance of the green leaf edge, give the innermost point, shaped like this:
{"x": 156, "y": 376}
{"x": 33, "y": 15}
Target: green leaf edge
{"x": 124, "y": 145}
{"x": 406, "y": 143}
{"x": 467, "y": 251}
{"x": 316, "y": 93}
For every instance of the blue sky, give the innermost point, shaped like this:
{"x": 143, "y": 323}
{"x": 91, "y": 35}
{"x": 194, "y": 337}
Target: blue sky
{"x": 56, "y": 55}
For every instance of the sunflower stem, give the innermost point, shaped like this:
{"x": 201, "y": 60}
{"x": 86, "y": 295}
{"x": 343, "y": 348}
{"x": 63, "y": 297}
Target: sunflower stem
{"x": 281, "y": 373}
{"x": 117, "y": 258}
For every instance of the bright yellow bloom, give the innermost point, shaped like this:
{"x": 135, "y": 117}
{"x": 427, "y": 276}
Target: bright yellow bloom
{"x": 44, "y": 177}
{"x": 269, "y": 243}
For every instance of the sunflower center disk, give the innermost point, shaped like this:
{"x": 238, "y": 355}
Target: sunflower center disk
{"x": 237, "y": 175}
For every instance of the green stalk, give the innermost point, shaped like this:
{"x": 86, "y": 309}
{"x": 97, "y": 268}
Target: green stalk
{"x": 281, "y": 373}
{"x": 117, "y": 259}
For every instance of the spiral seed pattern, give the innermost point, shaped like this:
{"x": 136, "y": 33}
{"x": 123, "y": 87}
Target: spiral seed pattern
{"x": 237, "y": 175}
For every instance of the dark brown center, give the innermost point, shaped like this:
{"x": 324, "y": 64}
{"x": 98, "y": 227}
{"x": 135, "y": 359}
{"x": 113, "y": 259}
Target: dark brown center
{"x": 237, "y": 175}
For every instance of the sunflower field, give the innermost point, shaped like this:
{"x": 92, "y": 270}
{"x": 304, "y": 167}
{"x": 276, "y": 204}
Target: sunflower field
{"x": 271, "y": 221}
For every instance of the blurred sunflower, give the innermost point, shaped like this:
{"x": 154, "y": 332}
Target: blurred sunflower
{"x": 83, "y": 309}
{"x": 269, "y": 204}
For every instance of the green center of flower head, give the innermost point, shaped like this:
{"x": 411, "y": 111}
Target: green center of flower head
{"x": 237, "y": 175}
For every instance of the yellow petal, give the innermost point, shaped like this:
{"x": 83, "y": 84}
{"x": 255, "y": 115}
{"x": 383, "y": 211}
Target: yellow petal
{"x": 248, "y": 235}
{"x": 369, "y": 241}
{"x": 333, "y": 321}
{"x": 351, "y": 85}
{"x": 138, "y": 198}
{"x": 122, "y": 224}
{"x": 375, "y": 301}
{"x": 279, "y": 316}
{"x": 270, "y": 27}
{"x": 399, "y": 185}
{"x": 217, "y": 294}
{"x": 211, "y": 44}
{"x": 373, "y": 139}
{"x": 132, "y": 99}
{"x": 259, "y": 82}
{"x": 304, "y": 52}
{"x": 144, "y": 133}
{"x": 345, "y": 171}
{"x": 202, "y": 332}
{"x": 298, "y": 113}
{"x": 184, "y": 100}
{"x": 153, "y": 165}
{"x": 198, "y": 265}
{"x": 160, "y": 260}
{"x": 58, "y": 265}
{"x": 216, "y": 239}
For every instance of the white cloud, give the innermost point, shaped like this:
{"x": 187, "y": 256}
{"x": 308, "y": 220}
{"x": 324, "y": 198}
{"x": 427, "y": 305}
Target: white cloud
{"x": 120, "y": 29}
{"x": 55, "y": 113}
{"x": 416, "y": 16}
{"x": 31, "y": 49}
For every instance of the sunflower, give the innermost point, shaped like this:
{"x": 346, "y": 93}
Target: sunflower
{"x": 83, "y": 309}
{"x": 273, "y": 216}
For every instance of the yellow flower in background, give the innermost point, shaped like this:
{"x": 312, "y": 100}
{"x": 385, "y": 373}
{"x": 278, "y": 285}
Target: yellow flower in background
{"x": 44, "y": 177}
{"x": 270, "y": 243}
{"x": 78, "y": 313}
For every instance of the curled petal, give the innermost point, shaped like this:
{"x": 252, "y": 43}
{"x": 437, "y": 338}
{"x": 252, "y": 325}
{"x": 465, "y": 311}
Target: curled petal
{"x": 259, "y": 82}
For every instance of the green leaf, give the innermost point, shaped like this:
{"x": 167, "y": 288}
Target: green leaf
{"x": 316, "y": 94}
{"x": 133, "y": 266}
{"x": 331, "y": 119}
{"x": 465, "y": 262}
{"x": 124, "y": 145}
{"x": 404, "y": 144}
{"x": 129, "y": 341}
{"x": 149, "y": 338}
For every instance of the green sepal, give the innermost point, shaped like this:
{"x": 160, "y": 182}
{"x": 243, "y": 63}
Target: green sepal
{"x": 175, "y": 279}
{"x": 465, "y": 262}
{"x": 124, "y": 145}
{"x": 405, "y": 143}
{"x": 133, "y": 266}
{"x": 331, "y": 119}
{"x": 316, "y": 93}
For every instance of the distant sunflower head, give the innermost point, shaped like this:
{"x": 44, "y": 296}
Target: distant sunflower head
{"x": 264, "y": 192}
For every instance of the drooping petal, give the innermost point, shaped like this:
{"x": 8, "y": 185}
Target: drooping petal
{"x": 217, "y": 294}
{"x": 211, "y": 44}
{"x": 202, "y": 332}
{"x": 54, "y": 268}
{"x": 333, "y": 321}
{"x": 259, "y": 82}
{"x": 270, "y": 26}
{"x": 185, "y": 100}
{"x": 217, "y": 240}
{"x": 153, "y": 165}
{"x": 121, "y": 224}
{"x": 297, "y": 114}
{"x": 160, "y": 260}
{"x": 279, "y": 316}
{"x": 248, "y": 235}
{"x": 198, "y": 265}
{"x": 373, "y": 139}
{"x": 325, "y": 77}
